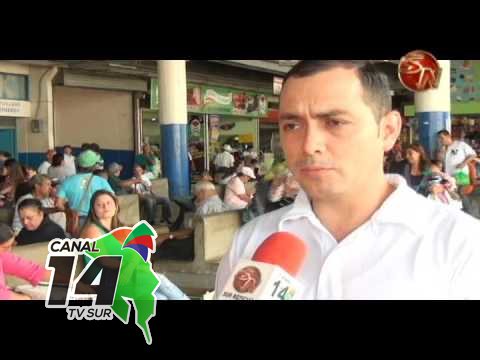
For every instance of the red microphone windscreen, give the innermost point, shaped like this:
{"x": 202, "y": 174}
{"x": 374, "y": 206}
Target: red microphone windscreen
{"x": 282, "y": 249}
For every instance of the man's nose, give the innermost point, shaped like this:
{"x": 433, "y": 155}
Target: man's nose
{"x": 314, "y": 140}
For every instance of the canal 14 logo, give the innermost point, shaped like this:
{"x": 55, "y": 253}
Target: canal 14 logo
{"x": 117, "y": 272}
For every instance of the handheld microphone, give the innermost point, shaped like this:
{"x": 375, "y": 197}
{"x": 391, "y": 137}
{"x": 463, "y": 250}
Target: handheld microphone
{"x": 270, "y": 275}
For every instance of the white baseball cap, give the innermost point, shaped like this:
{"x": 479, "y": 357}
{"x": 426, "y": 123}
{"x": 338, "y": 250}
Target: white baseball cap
{"x": 248, "y": 172}
{"x": 227, "y": 147}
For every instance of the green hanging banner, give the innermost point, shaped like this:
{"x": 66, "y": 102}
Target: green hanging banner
{"x": 219, "y": 100}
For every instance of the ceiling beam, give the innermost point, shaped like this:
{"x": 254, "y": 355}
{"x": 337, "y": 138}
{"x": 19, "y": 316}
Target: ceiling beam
{"x": 270, "y": 66}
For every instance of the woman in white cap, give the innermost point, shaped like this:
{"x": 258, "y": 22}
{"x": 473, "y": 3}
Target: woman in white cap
{"x": 237, "y": 196}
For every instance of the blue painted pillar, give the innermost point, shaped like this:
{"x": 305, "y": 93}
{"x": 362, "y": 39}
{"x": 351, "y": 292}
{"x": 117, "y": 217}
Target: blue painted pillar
{"x": 433, "y": 110}
{"x": 172, "y": 91}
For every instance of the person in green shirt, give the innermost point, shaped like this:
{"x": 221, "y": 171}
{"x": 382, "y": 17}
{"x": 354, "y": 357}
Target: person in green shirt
{"x": 147, "y": 158}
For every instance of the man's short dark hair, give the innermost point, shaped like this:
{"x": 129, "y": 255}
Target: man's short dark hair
{"x": 30, "y": 203}
{"x": 443, "y": 132}
{"x": 10, "y": 163}
{"x": 57, "y": 160}
{"x": 6, "y": 154}
{"x": 374, "y": 81}
{"x": 6, "y": 233}
{"x": 95, "y": 147}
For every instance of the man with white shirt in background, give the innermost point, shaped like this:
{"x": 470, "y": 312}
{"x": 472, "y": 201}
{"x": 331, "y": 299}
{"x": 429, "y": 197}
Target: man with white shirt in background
{"x": 69, "y": 160}
{"x": 148, "y": 200}
{"x": 368, "y": 235}
{"x": 224, "y": 160}
{"x": 457, "y": 155}
{"x": 44, "y": 166}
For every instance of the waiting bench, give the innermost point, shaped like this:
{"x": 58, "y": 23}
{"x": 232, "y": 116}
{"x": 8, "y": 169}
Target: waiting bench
{"x": 213, "y": 235}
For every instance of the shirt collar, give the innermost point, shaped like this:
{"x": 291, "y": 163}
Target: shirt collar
{"x": 402, "y": 207}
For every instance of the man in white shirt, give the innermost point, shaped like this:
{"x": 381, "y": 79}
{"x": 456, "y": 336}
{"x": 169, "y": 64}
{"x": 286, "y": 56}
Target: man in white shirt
{"x": 148, "y": 200}
{"x": 224, "y": 160}
{"x": 43, "y": 168}
{"x": 368, "y": 235}
{"x": 69, "y": 160}
{"x": 457, "y": 154}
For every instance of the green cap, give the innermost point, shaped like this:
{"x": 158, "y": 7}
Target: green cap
{"x": 88, "y": 159}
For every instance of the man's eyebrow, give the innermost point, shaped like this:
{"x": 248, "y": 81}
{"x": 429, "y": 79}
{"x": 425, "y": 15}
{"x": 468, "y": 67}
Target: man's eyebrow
{"x": 330, "y": 113}
{"x": 317, "y": 115}
{"x": 289, "y": 116}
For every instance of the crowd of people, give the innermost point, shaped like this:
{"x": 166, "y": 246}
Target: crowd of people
{"x": 451, "y": 178}
{"x": 69, "y": 197}
{"x": 249, "y": 184}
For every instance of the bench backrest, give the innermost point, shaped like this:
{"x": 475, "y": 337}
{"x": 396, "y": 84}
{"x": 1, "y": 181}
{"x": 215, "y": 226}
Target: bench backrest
{"x": 160, "y": 187}
{"x": 129, "y": 209}
{"x": 218, "y": 234}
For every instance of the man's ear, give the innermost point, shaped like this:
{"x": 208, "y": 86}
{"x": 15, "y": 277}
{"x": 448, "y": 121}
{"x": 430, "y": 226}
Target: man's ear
{"x": 390, "y": 128}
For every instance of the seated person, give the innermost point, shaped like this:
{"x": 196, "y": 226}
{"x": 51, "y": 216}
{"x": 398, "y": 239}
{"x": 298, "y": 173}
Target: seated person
{"x": 103, "y": 215}
{"x": 441, "y": 186}
{"x": 236, "y": 194}
{"x": 148, "y": 200}
{"x": 14, "y": 184}
{"x": 283, "y": 189}
{"x": 206, "y": 176}
{"x": 58, "y": 170}
{"x": 45, "y": 165}
{"x": 42, "y": 190}
{"x": 102, "y": 219}
{"x": 29, "y": 172}
{"x": 149, "y": 161}
{"x": 207, "y": 200}
{"x": 120, "y": 187}
{"x": 36, "y": 226}
{"x": 438, "y": 190}
{"x": 227, "y": 176}
{"x": 11, "y": 264}
{"x": 157, "y": 167}
{"x": 436, "y": 167}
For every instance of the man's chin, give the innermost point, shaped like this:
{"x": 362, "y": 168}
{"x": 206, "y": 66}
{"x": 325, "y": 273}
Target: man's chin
{"x": 322, "y": 193}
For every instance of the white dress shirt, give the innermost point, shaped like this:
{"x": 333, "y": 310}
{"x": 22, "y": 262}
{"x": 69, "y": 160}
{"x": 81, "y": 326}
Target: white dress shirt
{"x": 411, "y": 248}
{"x": 224, "y": 159}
